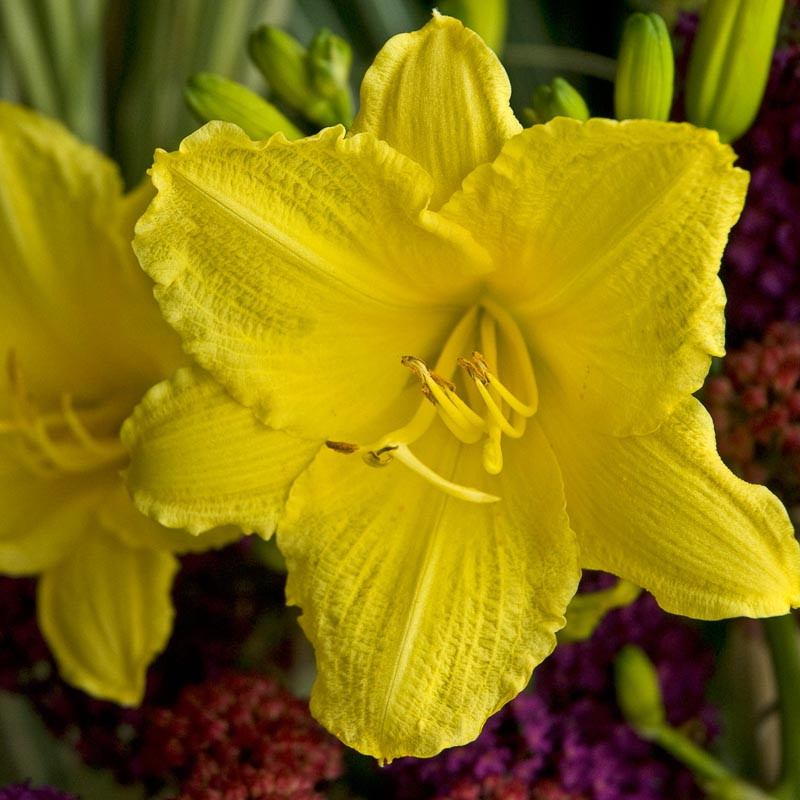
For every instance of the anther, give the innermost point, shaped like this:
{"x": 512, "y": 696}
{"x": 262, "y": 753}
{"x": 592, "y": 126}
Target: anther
{"x": 342, "y": 447}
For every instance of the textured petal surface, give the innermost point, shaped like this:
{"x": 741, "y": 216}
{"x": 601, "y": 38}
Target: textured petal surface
{"x": 440, "y": 96}
{"x": 200, "y": 459}
{"x": 42, "y": 517}
{"x": 427, "y": 613}
{"x": 118, "y": 515}
{"x": 72, "y": 297}
{"x": 298, "y": 273}
{"x": 105, "y": 612}
{"x": 608, "y": 238}
{"x": 664, "y": 512}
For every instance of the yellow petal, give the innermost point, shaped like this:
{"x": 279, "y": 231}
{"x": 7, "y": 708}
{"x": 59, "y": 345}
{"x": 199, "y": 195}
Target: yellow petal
{"x": 664, "y": 512}
{"x": 609, "y": 237}
{"x": 427, "y": 612}
{"x": 72, "y": 297}
{"x": 298, "y": 273}
{"x": 105, "y": 611}
{"x": 199, "y": 459}
{"x": 118, "y": 515}
{"x": 440, "y": 96}
{"x": 42, "y": 517}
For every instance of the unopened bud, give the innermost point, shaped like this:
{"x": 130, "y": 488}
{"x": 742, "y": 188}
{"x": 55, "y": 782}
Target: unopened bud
{"x": 638, "y": 691}
{"x": 558, "y": 99}
{"x": 314, "y": 82}
{"x": 729, "y": 64}
{"x": 211, "y": 96}
{"x": 488, "y": 18}
{"x": 645, "y": 70}
{"x": 329, "y": 59}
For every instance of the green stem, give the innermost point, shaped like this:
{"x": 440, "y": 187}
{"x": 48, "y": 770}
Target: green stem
{"x": 560, "y": 59}
{"x": 717, "y": 780}
{"x": 782, "y": 638}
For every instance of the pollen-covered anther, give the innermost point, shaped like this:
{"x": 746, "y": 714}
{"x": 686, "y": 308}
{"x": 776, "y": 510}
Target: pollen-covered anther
{"x": 460, "y": 419}
{"x": 342, "y": 447}
{"x": 476, "y": 367}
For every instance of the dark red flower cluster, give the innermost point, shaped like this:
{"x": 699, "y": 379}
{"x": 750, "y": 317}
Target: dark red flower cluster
{"x": 495, "y": 787}
{"x": 240, "y": 737}
{"x": 226, "y": 591}
{"x": 755, "y": 405}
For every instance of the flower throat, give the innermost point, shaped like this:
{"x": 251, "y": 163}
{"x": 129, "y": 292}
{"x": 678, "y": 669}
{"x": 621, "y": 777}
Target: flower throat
{"x": 500, "y": 410}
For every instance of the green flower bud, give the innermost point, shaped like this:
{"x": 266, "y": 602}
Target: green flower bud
{"x": 559, "y": 99}
{"x": 329, "y": 59}
{"x": 282, "y": 61}
{"x": 488, "y": 18}
{"x": 729, "y": 64}
{"x": 312, "y": 82}
{"x": 638, "y": 691}
{"x": 211, "y": 96}
{"x": 645, "y": 69}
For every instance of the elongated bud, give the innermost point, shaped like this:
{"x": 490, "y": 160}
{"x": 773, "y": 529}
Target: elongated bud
{"x": 329, "y": 59}
{"x": 729, "y": 64}
{"x": 558, "y": 99}
{"x": 488, "y": 18}
{"x": 645, "y": 70}
{"x": 282, "y": 61}
{"x": 638, "y": 690}
{"x": 211, "y": 96}
{"x": 314, "y": 81}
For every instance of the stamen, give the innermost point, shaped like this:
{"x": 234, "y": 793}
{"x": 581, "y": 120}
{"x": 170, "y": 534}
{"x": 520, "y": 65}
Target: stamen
{"x": 514, "y": 431}
{"x": 342, "y": 447}
{"x": 518, "y": 348}
{"x": 57, "y": 442}
{"x": 441, "y": 393}
{"x": 107, "y": 448}
{"x": 505, "y": 414}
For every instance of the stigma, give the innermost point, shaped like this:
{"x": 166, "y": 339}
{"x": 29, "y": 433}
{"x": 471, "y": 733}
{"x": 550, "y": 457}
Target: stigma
{"x": 486, "y": 410}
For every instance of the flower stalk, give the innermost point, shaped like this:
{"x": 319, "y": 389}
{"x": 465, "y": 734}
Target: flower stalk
{"x": 781, "y": 635}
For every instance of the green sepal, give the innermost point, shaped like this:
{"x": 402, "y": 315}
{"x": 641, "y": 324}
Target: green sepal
{"x": 586, "y": 610}
{"x": 211, "y": 97}
{"x": 645, "y": 76}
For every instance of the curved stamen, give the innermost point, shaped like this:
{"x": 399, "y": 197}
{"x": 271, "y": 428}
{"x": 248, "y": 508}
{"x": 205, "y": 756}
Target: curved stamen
{"x": 445, "y": 365}
{"x": 519, "y": 349}
{"x": 57, "y": 442}
{"x": 461, "y": 420}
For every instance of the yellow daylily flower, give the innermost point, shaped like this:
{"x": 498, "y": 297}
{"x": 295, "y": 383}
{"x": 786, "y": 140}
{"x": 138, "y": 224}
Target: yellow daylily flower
{"x": 553, "y": 292}
{"x": 82, "y": 339}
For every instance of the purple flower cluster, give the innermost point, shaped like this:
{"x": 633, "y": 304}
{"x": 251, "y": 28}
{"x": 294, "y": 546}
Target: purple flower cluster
{"x": 567, "y": 732}
{"x": 24, "y": 791}
{"x": 761, "y": 265}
